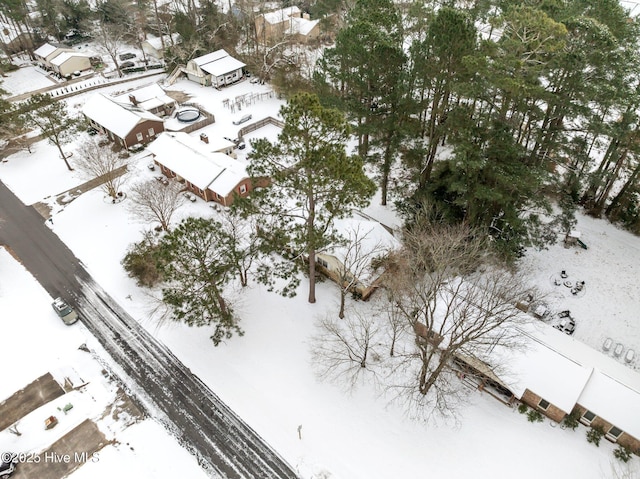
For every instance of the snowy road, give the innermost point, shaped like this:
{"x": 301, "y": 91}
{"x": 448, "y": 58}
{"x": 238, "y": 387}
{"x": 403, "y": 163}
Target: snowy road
{"x": 225, "y": 445}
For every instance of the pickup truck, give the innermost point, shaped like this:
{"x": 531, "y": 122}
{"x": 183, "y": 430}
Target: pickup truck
{"x": 64, "y": 311}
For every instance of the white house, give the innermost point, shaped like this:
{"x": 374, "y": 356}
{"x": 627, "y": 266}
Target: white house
{"x": 214, "y": 69}
{"x": 211, "y": 175}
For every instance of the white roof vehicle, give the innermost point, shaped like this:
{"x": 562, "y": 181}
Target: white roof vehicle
{"x": 64, "y": 311}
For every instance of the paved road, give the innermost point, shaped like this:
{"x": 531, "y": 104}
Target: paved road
{"x": 226, "y": 446}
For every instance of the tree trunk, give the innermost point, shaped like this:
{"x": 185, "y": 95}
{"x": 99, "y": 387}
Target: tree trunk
{"x": 628, "y": 184}
{"x": 343, "y": 293}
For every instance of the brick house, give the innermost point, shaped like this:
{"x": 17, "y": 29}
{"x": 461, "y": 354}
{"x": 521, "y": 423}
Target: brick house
{"x": 124, "y": 124}
{"x": 557, "y": 375}
{"x": 211, "y": 175}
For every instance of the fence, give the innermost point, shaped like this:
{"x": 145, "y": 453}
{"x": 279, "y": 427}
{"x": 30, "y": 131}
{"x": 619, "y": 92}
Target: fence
{"x": 259, "y": 124}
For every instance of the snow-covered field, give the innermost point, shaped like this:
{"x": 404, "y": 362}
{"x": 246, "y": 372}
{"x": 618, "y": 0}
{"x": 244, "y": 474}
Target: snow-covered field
{"x": 266, "y": 376}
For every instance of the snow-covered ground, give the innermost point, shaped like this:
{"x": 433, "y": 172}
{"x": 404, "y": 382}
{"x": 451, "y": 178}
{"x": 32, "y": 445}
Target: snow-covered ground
{"x": 267, "y": 377}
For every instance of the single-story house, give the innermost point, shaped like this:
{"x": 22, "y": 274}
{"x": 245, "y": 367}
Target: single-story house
{"x": 211, "y": 175}
{"x": 214, "y": 69}
{"x": 556, "y": 375}
{"x": 151, "y": 98}
{"x": 66, "y": 63}
{"x": 125, "y": 124}
{"x": 152, "y": 46}
{"x": 365, "y": 240}
{"x": 290, "y": 22}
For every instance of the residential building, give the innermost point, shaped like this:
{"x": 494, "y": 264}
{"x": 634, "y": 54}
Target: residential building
{"x": 124, "y": 124}
{"x": 214, "y": 69}
{"x": 365, "y": 240}
{"x": 211, "y": 175}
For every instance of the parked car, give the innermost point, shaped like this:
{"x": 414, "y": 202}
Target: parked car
{"x": 127, "y": 65}
{"x": 8, "y": 464}
{"x": 64, "y": 311}
{"x": 126, "y": 56}
{"x": 242, "y": 120}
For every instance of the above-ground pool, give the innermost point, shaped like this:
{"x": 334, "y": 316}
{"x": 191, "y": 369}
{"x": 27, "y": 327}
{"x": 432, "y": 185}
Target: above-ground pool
{"x": 188, "y": 115}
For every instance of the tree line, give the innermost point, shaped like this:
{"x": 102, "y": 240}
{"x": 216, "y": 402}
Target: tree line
{"x": 493, "y": 111}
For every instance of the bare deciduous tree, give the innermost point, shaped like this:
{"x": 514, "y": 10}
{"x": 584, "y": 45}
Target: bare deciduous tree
{"x": 358, "y": 250}
{"x": 152, "y": 201}
{"x": 453, "y": 311}
{"x": 102, "y": 162}
{"x": 345, "y": 350}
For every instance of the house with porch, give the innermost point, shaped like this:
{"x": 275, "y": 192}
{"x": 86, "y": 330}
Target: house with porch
{"x": 211, "y": 175}
{"x": 215, "y": 69}
{"x": 124, "y": 124}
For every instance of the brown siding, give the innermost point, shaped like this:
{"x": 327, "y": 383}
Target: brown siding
{"x": 552, "y": 412}
{"x": 625, "y": 439}
{"x": 131, "y": 139}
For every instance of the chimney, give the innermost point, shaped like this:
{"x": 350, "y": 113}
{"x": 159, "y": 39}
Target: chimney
{"x": 204, "y": 138}
{"x": 133, "y": 100}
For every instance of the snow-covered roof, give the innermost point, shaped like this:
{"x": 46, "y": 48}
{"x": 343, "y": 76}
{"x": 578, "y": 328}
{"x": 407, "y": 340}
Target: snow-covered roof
{"x": 281, "y": 15}
{"x": 64, "y": 56}
{"x": 565, "y": 372}
{"x": 210, "y": 57}
{"x": 114, "y": 116}
{"x": 222, "y": 66}
{"x": 156, "y": 43}
{"x": 194, "y": 161}
{"x": 147, "y": 98}
{"x": 302, "y": 25}
{"x": 45, "y": 50}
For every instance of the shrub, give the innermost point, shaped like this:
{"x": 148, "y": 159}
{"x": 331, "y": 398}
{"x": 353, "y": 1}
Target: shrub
{"x": 534, "y": 416}
{"x": 572, "y": 420}
{"x": 522, "y": 409}
{"x": 140, "y": 262}
{"x": 622, "y": 453}
{"x": 594, "y": 435}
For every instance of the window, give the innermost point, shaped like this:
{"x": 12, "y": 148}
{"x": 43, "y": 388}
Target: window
{"x": 614, "y": 433}
{"x": 151, "y": 132}
{"x": 544, "y": 405}
{"x": 139, "y": 136}
{"x": 587, "y": 417}
{"x": 243, "y": 189}
{"x": 322, "y": 262}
